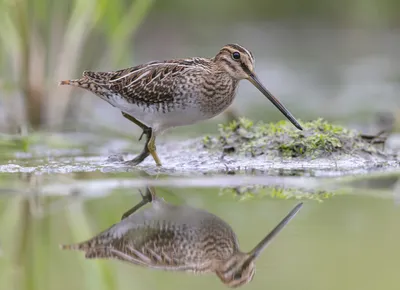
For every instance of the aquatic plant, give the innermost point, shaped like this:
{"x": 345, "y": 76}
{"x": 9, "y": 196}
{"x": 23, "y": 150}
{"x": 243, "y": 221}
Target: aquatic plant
{"x": 277, "y": 192}
{"x": 318, "y": 139}
{"x": 44, "y": 41}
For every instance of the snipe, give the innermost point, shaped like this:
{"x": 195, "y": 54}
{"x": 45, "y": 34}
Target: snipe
{"x": 163, "y": 94}
{"x": 180, "y": 238}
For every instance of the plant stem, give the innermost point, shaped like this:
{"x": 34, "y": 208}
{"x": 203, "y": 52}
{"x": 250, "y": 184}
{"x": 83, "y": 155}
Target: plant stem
{"x": 33, "y": 99}
{"x": 21, "y": 279}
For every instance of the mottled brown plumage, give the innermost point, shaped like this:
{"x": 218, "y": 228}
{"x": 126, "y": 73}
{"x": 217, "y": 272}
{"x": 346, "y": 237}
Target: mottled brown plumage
{"x": 163, "y": 94}
{"x": 179, "y": 238}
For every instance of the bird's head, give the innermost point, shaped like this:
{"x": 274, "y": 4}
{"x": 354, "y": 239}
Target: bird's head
{"x": 238, "y": 62}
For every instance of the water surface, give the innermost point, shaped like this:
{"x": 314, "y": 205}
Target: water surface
{"x": 348, "y": 240}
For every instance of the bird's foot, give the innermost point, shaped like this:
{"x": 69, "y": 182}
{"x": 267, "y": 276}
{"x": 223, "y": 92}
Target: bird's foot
{"x": 147, "y": 197}
{"x": 146, "y": 131}
{"x": 138, "y": 159}
{"x": 115, "y": 158}
{"x": 155, "y": 157}
{"x": 145, "y": 200}
{"x": 151, "y": 147}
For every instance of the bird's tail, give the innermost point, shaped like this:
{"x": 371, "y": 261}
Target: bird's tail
{"x": 92, "y": 250}
{"x": 100, "y": 240}
{"x": 82, "y": 83}
{"x": 85, "y": 246}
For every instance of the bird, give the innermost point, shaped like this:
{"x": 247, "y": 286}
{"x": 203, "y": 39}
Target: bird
{"x": 160, "y": 95}
{"x": 178, "y": 238}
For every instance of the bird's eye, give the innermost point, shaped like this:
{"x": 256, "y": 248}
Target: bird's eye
{"x": 236, "y": 55}
{"x": 237, "y": 276}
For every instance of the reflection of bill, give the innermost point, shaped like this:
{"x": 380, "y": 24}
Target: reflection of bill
{"x": 180, "y": 238}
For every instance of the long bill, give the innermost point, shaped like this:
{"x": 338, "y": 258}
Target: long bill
{"x": 255, "y": 81}
{"x": 267, "y": 240}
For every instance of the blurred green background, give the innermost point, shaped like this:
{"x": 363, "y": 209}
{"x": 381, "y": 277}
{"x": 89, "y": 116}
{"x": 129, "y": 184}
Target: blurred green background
{"x": 334, "y": 59}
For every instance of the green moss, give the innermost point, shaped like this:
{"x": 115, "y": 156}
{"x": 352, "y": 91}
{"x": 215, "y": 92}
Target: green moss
{"x": 319, "y": 138}
{"x": 13, "y": 143}
{"x": 250, "y": 192}
{"x": 36, "y": 142}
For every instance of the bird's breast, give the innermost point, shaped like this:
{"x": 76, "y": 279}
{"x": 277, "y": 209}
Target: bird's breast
{"x": 185, "y": 234}
{"x": 217, "y": 94}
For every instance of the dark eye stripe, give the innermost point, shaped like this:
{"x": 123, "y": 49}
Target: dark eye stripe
{"x": 229, "y": 63}
{"x": 244, "y": 68}
{"x": 226, "y": 50}
{"x": 241, "y": 49}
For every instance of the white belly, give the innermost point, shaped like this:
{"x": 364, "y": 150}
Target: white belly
{"x": 160, "y": 121}
{"x": 154, "y": 117}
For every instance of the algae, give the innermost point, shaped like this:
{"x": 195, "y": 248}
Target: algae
{"x": 278, "y": 192}
{"x": 319, "y": 138}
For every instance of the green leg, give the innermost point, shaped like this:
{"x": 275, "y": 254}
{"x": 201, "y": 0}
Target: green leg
{"x": 142, "y": 155}
{"x": 135, "y": 121}
{"x": 149, "y": 148}
{"x": 149, "y": 196}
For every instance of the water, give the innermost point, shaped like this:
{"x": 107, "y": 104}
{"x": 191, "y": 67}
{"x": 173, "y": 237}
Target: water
{"x": 64, "y": 189}
{"x": 348, "y": 240}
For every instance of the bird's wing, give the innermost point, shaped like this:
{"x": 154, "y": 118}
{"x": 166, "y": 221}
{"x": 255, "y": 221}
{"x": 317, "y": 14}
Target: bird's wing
{"x": 143, "y": 246}
{"x": 161, "y": 236}
{"x": 151, "y": 83}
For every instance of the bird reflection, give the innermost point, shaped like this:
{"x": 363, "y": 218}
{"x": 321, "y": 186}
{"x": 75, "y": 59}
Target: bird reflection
{"x": 181, "y": 238}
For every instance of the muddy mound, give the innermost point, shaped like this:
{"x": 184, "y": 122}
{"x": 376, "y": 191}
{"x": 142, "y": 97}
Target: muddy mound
{"x": 319, "y": 139}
